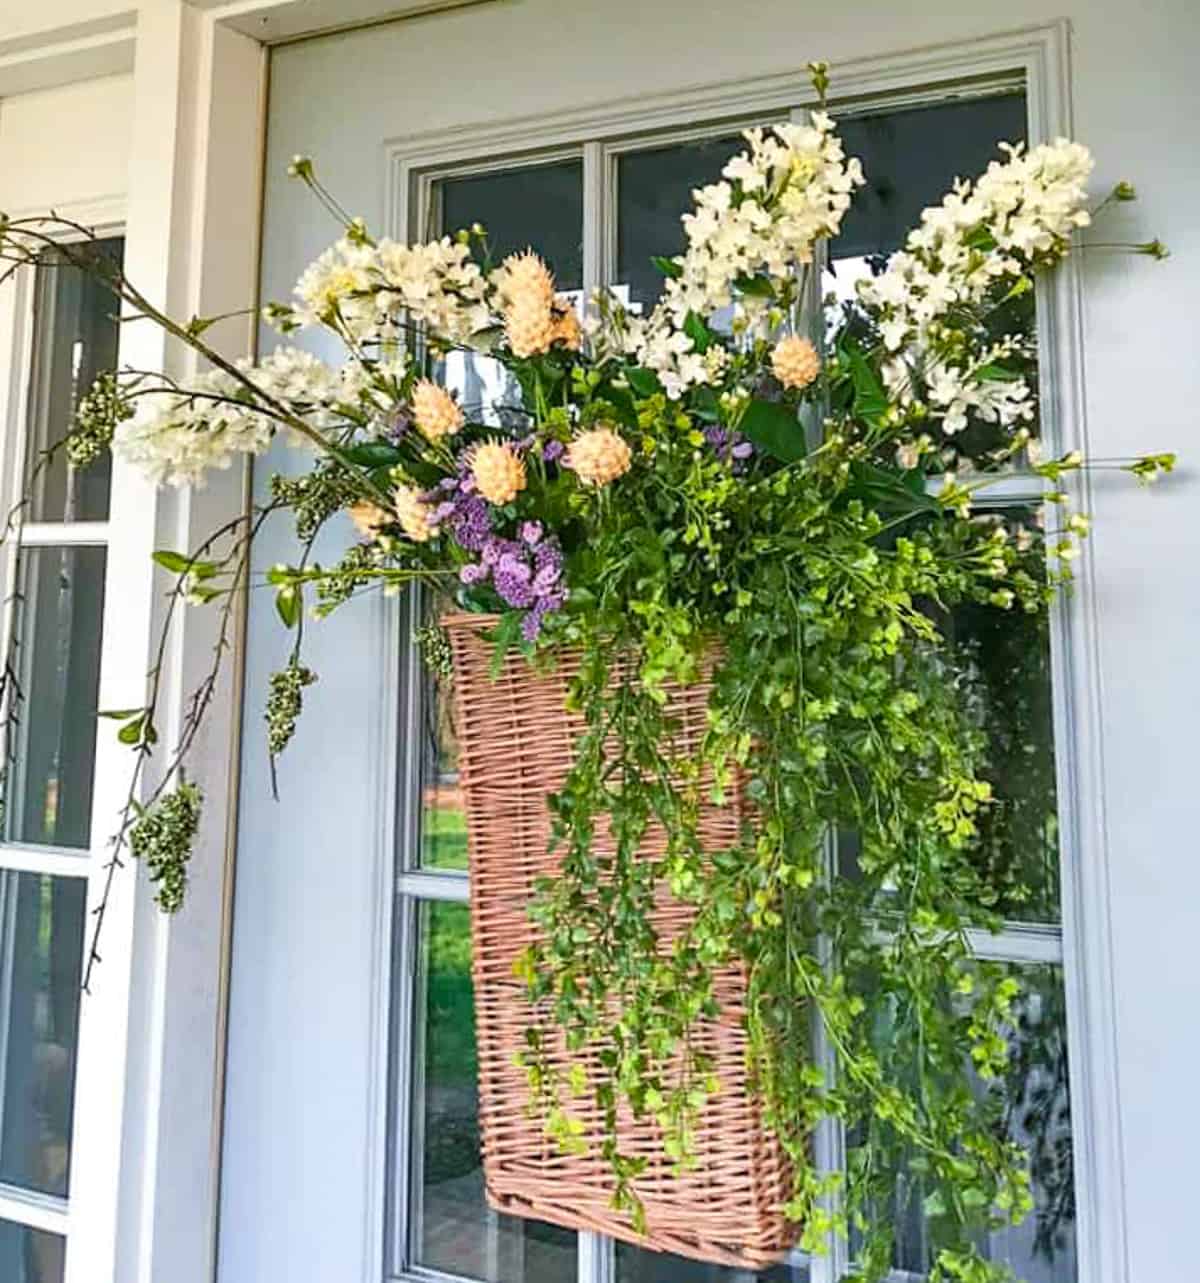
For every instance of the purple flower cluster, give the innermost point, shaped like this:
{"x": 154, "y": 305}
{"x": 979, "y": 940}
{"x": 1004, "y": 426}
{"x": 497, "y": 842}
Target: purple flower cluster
{"x": 526, "y": 574}
{"x": 729, "y": 447}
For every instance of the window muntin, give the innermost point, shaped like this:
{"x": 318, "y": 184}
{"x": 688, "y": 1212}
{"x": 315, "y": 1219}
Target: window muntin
{"x": 1024, "y": 833}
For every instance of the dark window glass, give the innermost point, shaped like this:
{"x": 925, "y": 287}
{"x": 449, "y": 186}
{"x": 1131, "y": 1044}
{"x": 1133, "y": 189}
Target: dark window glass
{"x": 906, "y": 171}
{"x": 75, "y": 338}
{"x": 453, "y": 1229}
{"x": 48, "y": 797}
{"x": 539, "y": 207}
{"x": 639, "y": 1265}
{"x": 443, "y": 819}
{"x": 41, "y": 948}
{"x": 30, "y": 1256}
{"x": 654, "y": 190}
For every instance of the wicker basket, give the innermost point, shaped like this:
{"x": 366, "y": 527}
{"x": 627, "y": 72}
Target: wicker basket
{"x": 515, "y": 746}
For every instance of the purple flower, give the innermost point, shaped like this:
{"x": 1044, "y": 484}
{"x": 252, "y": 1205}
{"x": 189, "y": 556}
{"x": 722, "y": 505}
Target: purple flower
{"x": 401, "y": 423}
{"x": 553, "y": 450}
{"x": 531, "y": 532}
{"x": 473, "y": 573}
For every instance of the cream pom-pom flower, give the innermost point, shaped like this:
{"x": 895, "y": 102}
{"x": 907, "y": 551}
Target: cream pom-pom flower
{"x": 524, "y": 278}
{"x": 567, "y": 329}
{"x": 369, "y": 518}
{"x": 598, "y": 456}
{"x": 529, "y": 326}
{"x": 413, "y": 513}
{"x": 795, "y": 362}
{"x": 436, "y": 412}
{"x": 498, "y": 471}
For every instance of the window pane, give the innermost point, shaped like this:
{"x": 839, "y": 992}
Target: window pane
{"x": 453, "y": 1229}
{"x": 654, "y": 190}
{"x": 48, "y": 799}
{"x": 639, "y": 1265}
{"x": 443, "y": 820}
{"x": 538, "y": 206}
{"x": 41, "y": 951}
{"x": 75, "y": 338}
{"x": 1032, "y": 1106}
{"x": 30, "y": 1256}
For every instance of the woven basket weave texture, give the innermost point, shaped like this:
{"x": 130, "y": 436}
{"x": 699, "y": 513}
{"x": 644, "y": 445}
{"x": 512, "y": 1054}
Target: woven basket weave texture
{"x": 515, "y": 747}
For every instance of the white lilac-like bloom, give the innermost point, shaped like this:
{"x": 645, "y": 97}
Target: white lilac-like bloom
{"x": 1025, "y": 208}
{"x": 437, "y": 284}
{"x": 337, "y": 287}
{"x": 776, "y": 200}
{"x": 176, "y": 437}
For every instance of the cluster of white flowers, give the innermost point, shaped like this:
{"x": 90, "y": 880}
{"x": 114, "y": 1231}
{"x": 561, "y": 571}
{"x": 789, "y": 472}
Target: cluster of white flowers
{"x": 371, "y": 292}
{"x": 1026, "y": 207}
{"x": 176, "y": 435}
{"x": 787, "y": 191}
{"x": 1022, "y": 212}
{"x": 955, "y": 391}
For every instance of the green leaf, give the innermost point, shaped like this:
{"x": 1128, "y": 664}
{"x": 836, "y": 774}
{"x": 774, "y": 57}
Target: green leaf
{"x": 644, "y": 382}
{"x": 289, "y": 601}
{"x": 176, "y": 562}
{"x": 773, "y": 427}
{"x": 870, "y": 399}
{"x": 504, "y": 637}
{"x": 996, "y": 372}
{"x": 755, "y": 286}
{"x": 705, "y": 406}
{"x": 374, "y": 454}
{"x": 667, "y": 266}
{"x": 698, "y": 332}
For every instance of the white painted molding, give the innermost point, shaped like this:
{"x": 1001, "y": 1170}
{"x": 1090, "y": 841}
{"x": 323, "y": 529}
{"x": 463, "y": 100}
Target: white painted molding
{"x": 276, "y": 21}
{"x": 82, "y": 51}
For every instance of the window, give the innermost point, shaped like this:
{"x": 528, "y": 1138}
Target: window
{"x": 54, "y": 602}
{"x": 602, "y": 209}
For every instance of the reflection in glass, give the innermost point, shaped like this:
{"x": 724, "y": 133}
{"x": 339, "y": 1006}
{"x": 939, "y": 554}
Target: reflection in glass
{"x": 29, "y": 1255}
{"x": 453, "y": 1228}
{"x": 538, "y": 206}
{"x": 639, "y": 1265}
{"x": 48, "y": 800}
{"x": 443, "y": 819}
{"x": 75, "y": 338}
{"x": 41, "y": 949}
{"x": 654, "y": 188}
{"x": 1031, "y": 1105}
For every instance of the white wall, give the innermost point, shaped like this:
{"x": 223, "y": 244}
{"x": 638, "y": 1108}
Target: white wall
{"x": 67, "y": 145}
{"x": 303, "y": 966}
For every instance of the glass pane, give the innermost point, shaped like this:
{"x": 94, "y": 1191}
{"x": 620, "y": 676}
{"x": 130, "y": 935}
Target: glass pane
{"x": 1032, "y": 1106}
{"x": 1007, "y": 657}
{"x": 443, "y": 819}
{"x": 654, "y": 189}
{"x": 41, "y": 951}
{"x": 453, "y": 1229}
{"x": 48, "y": 800}
{"x": 30, "y": 1256}
{"x": 75, "y": 338}
{"x": 639, "y": 1265}
{"x": 538, "y": 206}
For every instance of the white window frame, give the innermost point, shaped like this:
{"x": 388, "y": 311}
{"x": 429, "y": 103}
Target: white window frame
{"x": 18, "y": 343}
{"x": 1035, "y": 63}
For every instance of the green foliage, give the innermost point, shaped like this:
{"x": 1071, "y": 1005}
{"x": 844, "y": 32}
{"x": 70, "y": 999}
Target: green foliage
{"x": 162, "y": 837}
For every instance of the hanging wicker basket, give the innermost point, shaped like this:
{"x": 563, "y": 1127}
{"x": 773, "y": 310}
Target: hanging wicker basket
{"x": 515, "y": 747}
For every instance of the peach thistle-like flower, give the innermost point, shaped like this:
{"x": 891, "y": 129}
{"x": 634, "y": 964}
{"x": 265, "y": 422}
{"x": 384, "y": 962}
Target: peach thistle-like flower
{"x": 436, "y": 412}
{"x": 498, "y": 472}
{"x": 369, "y": 518}
{"x": 598, "y": 456}
{"x": 795, "y": 362}
{"x": 413, "y": 513}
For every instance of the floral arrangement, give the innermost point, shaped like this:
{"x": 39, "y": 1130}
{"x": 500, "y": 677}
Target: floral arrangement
{"x": 798, "y": 491}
